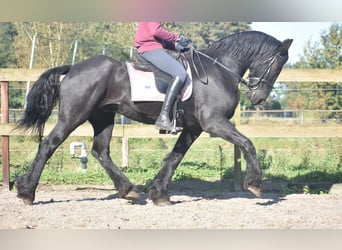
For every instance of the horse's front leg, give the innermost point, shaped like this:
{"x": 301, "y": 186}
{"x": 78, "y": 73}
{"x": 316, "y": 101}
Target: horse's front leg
{"x": 158, "y": 192}
{"x": 253, "y": 179}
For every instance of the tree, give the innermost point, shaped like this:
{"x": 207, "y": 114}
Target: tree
{"x": 202, "y": 33}
{"x": 52, "y": 46}
{"x": 325, "y": 54}
{"x": 7, "y": 34}
{"x": 56, "y": 41}
{"x": 112, "y": 39}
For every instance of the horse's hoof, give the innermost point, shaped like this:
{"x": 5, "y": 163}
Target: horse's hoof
{"x": 159, "y": 198}
{"x": 253, "y": 186}
{"x": 255, "y": 190}
{"x": 27, "y": 201}
{"x": 162, "y": 202}
{"x": 132, "y": 196}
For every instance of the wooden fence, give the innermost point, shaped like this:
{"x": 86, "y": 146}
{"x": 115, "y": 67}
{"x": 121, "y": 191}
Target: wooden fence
{"x": 136, "y": 131}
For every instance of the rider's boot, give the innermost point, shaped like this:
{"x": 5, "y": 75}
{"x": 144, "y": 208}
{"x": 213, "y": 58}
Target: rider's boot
{"x": 163, "y": 122}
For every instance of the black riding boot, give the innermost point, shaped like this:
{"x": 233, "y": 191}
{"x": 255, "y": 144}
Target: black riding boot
{"x": 163, "y": 122}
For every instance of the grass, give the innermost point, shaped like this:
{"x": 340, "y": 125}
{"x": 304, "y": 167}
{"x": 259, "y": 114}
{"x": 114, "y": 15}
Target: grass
{"x": 298, "y": 160}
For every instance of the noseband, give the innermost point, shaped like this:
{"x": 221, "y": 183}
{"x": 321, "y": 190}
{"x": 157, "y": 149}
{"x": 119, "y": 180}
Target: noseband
{"x": 251, "y": 86}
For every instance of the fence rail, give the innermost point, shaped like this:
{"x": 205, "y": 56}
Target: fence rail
{"x": 286, "y": 75}
{"x": 125, "y": 131}
{"x": 149, "y": 131}
{"x": 247, "y": 117}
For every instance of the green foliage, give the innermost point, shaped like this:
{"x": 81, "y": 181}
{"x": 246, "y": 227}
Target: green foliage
{"x": 114, "y": 39}
{"x": 7, "y": 34}
{"x": 302, "y": 161}
{"x": 264, "y": 159}
{"x": 18, "y": 169}
{"x": 181, "y": 175}
{"x": 203, "y": 33}
{"x": 52, "y": 48}
{"x": 325, "y": 54}
{"x": 56, "y": 40}
{"x": 16, "y": 97}
{"x": 314, "y": 96}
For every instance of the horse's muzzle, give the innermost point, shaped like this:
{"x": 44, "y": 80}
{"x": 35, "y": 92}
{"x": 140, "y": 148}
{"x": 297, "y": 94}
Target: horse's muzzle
{"x": 255, "y": 97}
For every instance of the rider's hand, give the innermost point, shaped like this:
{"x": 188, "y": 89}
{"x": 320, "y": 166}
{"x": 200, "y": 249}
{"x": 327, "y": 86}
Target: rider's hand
{"x": 183, "y": 41}
{"x": 180, "y": 48}
{"x": 182, "y": 44}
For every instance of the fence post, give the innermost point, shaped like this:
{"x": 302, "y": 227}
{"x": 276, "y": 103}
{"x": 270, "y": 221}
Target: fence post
{"x": 125, "y": 150}
{"x": 5, "y": 138}
{"x": 30, "y": 66}
{"x": 74, "y": 53}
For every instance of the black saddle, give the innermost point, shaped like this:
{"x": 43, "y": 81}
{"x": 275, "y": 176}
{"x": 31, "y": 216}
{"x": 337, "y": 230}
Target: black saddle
{"x": 162, "y": 78}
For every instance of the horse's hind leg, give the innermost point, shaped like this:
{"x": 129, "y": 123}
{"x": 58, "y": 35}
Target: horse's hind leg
{"x": 26, "y": 184}
{"x": 103, "y": 124}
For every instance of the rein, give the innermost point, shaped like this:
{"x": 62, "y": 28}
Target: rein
{"x": 253, "y": 86}
{"x": 215, "y": 61}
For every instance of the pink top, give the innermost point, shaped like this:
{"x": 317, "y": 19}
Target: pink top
{"x": 151, "y": 36}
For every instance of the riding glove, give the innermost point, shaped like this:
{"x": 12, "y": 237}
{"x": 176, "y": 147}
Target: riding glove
{"x": 180, "y": 48}
{"x": 181, "y": 44}
{"x": 183, "y": 41}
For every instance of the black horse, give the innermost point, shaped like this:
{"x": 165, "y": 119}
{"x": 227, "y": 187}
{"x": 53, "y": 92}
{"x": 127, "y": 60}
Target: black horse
{"x": 96, "y": 89}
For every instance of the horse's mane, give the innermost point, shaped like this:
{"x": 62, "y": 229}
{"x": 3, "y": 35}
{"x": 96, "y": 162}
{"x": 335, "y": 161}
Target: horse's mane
{"x": 244, "y": 44}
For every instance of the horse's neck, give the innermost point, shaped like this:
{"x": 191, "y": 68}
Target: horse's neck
{"x": 238, "y": 66}
{"x": 229, "y": 61}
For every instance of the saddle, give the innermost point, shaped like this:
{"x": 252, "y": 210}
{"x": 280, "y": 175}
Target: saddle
{"x": 162, "y": 79}
{"x": 162, "y": 82}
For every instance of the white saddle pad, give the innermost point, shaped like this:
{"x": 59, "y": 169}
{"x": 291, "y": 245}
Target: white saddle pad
{"x": 143, "y": 86}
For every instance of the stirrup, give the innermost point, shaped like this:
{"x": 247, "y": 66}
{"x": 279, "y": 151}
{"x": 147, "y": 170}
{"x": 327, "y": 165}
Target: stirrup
{"x": 176, "y": 116}
{"x": 174, "y": 129}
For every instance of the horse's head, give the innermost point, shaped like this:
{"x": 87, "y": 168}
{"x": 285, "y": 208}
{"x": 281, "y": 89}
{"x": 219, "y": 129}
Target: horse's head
{"x": 264, "y": 73}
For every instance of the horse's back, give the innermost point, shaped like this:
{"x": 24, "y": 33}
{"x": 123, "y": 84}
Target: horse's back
{"x": 94, "y": 62}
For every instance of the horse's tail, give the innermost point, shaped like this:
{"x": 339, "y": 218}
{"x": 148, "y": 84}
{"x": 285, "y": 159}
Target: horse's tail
{"x": 41, "y": 99}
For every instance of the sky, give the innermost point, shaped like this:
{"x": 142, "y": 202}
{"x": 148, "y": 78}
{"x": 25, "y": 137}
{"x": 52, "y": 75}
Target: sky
{"x": 301, "y": 32}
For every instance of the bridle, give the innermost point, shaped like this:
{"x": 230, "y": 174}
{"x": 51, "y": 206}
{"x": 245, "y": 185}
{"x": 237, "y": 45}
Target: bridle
{"x": 261, "y": 79}
{"x": 251, "y": 86}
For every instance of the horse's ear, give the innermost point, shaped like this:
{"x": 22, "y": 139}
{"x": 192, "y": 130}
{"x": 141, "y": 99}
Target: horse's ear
{"x": 284, "y": 47}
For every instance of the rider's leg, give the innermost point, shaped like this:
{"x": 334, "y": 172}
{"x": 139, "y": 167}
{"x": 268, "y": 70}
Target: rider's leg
{"x": 163, "y": 122}
{"x": 171, "y": 66}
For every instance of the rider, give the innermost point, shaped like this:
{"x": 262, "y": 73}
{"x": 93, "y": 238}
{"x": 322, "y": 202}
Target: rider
{"x": 151, "y": 39}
